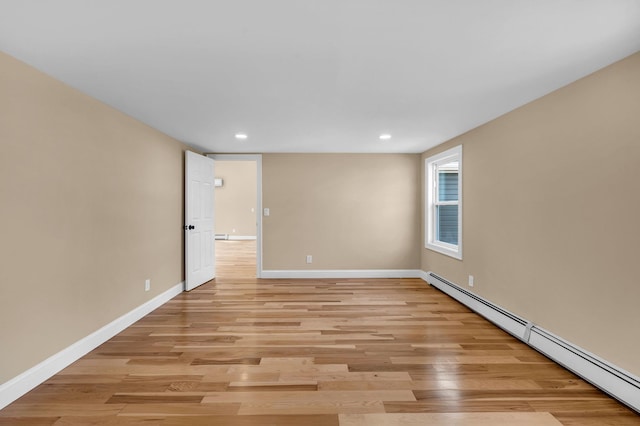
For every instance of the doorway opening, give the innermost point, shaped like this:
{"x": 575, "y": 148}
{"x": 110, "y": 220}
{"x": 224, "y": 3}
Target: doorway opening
{"x": 238, "y": 207}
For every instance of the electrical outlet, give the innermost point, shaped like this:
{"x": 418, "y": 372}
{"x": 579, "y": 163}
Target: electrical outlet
{"x": 267, "y": 212}
{"x": 470, "y": 280}
{"x": 147, "y": 285}
{"x": 309, "y": 258}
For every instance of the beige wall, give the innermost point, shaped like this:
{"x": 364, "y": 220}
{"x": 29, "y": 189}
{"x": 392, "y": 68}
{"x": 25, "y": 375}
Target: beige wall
{"x": 90, "y": 208}
{"x": 349, "y": 211}
{"x": 551, "y": 213}
{"x": 236, "y": 199}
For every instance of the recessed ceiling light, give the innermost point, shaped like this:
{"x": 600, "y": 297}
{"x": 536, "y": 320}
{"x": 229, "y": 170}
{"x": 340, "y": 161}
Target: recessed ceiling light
{"x": 385, "y": 136}
{"x": 241, "y": 136}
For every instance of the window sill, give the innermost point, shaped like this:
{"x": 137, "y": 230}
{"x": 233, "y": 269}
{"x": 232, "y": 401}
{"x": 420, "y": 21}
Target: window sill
{"x": 455, "y": 253}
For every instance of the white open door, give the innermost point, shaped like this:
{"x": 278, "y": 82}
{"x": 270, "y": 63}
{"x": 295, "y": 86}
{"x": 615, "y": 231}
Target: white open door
{"x": 199, "y": 233}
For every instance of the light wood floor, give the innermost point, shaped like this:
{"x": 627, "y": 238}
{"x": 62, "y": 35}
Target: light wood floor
{"x": 241, "y": 351}
{"x": 235, "y": 259}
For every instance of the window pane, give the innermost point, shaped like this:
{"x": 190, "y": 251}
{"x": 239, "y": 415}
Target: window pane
{"x": 447, "y": 224}
{"x": 447, "y": 185}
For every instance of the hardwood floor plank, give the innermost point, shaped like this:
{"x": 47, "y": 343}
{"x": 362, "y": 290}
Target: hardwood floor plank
{"x": 255, "y": 420}
{"x": 156, "y": 398}
{"x": 272, "y": 386}
{"x": 458, "y": 406}
{"x": 162, "y": 410}
{"x": 309, "y": 407}
{"x": 468, "y": 419}
{"x": 54, "y": 409}
{"x": 109, "y": 421}
{"x": 310, "y": 397}
{"x": 242, "y": 351}
{"x": 28, "y": 421}
{"x": 591, "y": 419}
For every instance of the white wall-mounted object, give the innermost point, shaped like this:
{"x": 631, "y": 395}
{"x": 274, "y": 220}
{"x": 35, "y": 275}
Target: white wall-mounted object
{"x": 620, "y": 384}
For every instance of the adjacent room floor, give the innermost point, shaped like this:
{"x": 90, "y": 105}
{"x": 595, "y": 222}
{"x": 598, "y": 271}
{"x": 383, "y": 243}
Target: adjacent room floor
{"x": 241, "y": 351}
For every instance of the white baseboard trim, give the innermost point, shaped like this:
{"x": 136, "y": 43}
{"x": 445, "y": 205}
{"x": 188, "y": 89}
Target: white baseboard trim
{"x": 618, "y": 383}
{"x": 241, "y": 237}
{"x": 23, "y": 383}
{"x": 342, "y": 273}
{"x": 508, "y": 321}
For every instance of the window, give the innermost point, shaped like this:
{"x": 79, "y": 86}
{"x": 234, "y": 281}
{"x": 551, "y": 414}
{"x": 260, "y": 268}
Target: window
{"x": 443, "y": 210}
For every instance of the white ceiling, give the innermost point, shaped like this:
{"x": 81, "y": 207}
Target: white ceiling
{"x": 318, "y": 75}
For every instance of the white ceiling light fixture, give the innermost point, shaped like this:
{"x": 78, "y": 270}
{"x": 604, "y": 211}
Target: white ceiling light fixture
{"x": 385, "y": 136}
{"x": 241, "y": 136}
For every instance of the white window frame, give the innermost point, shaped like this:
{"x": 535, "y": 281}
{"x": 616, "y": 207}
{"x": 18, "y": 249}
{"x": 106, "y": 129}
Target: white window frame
{"x": 431, "y": 182}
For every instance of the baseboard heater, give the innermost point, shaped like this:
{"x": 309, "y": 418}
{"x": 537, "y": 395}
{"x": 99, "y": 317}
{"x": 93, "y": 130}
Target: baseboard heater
{"x": 616, "y": 382}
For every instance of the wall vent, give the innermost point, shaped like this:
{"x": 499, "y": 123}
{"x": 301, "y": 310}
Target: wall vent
{"x": 504, "y": 319}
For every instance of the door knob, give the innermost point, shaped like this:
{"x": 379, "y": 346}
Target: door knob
{"x": 189, "y": 227}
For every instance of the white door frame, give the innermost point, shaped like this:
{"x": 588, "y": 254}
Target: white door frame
{"x": 258, "y": 159}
